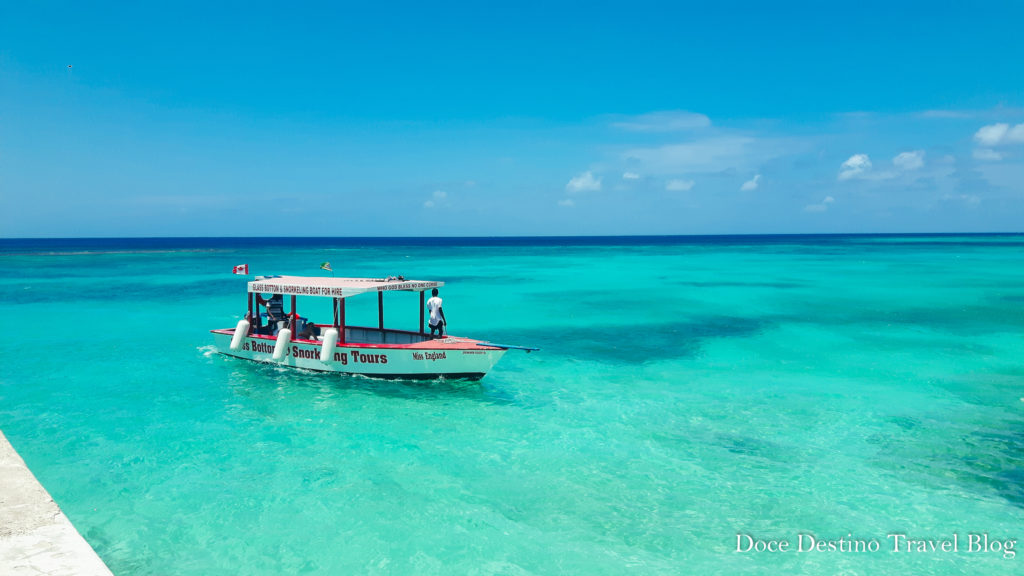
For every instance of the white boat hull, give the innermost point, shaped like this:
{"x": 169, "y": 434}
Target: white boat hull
{"x": 443, "y": 358}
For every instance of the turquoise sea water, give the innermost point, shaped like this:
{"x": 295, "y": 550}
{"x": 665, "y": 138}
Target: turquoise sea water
{"x": 688, "y": 390}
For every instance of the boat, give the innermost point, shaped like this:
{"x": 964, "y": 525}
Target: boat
{"x": 375, "y": 351}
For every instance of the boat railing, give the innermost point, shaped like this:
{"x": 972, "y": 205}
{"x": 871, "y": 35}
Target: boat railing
{"x": 360, "y": 335}
{"x": 378, "y": 336}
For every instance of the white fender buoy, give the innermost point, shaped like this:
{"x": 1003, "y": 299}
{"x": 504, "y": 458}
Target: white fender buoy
{"x": 241, "y": 331}
{"x": 327, "y": 350}
{"x": 284, "y": 337}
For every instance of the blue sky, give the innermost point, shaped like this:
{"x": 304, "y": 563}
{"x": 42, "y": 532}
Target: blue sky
{"x": 510, "y": 118}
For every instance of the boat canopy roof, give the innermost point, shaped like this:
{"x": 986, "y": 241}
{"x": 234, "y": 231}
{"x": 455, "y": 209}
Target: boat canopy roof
{"x": 335, "y": 287}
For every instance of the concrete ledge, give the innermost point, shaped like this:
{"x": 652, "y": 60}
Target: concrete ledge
{"x": 35, "y": 536}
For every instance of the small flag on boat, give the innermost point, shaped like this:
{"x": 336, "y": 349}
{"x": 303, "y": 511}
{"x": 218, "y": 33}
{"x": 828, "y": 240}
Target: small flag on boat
{"x": 326, "y": 266}
{"x": 241, "y": 269}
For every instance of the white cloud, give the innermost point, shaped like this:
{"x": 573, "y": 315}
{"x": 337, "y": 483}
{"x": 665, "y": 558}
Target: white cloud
{"x": 751, "y": 184}
{"x": 909, "y": 160}
{"x": 566, "y": 202}
{"x": 991, "y": 135}
{"x": 859, "y": 166}
{"x": 703, "y": 156}
{"x": 182, "y": 202}
{"x": 665, "y": 121}
{"x": 630, "y": 176}
{"x": 679, "y": 185}
{"x": 968, "y": 199}
{"x": 999, "y": 134}
{"x": 822, "y": 207}
{"x": 436, "y": 197}
{"x": 987, "y": 155}
{"x": 584, "y": 183}
{"x": 946, "y": 114}
{"x": 855, "y": 166}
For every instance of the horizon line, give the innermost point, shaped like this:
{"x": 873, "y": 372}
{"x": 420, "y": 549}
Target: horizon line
{"x": 510, "y": 236}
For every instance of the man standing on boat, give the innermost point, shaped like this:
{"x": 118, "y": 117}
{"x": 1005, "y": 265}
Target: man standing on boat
{"x": 275, "y": 311}
{"x": 437, "y": 320}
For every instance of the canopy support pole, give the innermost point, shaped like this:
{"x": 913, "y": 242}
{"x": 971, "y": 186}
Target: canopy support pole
{"x": 341, "y": 320}
{"x": 422, "y": 308}
{"x": 294, "y": 317}
{"x": 254, "y": 320}
{"x": 380, "y": 310}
